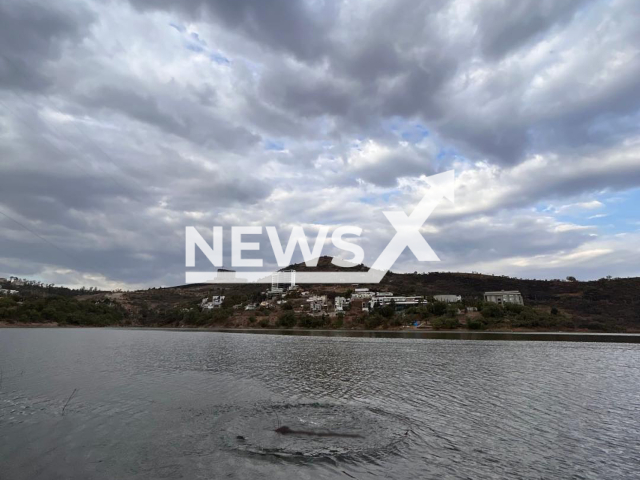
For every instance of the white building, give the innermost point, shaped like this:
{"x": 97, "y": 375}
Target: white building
{"x": 318, "y": 299}
{"x": 400, "y": 302}
{"x": 251, "y": 306}
{"x": 504, "y": 296}
{"x": 5, "y": 292}
{"x": 341, "y": 303}
{"x": 448, "y": 298}
{"x": 361, "y": 293}
{"x": 317, "y": 302}
{"x": 216, "y": 302}
{"x": 16, "y": 282}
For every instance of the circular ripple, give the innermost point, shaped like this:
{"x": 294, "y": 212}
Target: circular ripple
{"x": 253, "y": 431}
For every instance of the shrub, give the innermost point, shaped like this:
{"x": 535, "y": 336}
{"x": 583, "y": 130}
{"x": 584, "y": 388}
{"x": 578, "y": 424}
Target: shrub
{"x": 475, "y": 324}
{"x": 374, "y": 321}
{"x": 307, "y": 321}
{"x": 492, "y": 310}
{"x": 445, "y": 323}
{"x": 437, "y": 308}
{"x": 287, "y": 320}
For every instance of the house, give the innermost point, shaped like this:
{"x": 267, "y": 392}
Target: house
{"x": 318, "y": 299}
{"x": 275, "y": 292}
{"x": 384, "y": 294}
{"x": 400, "y": 302}
{"x": 5, "y": 292}
{"x": 251, "y": 306}
{"x": 360, "y": 293}
{"x": 341, "y": 303}
{"x": 317, "y": 302}
{"x": 16, "y": 282}
{"x": 504, "y": 296}
{"x": 216, "y": 302}
{"x": 448, "y": 298}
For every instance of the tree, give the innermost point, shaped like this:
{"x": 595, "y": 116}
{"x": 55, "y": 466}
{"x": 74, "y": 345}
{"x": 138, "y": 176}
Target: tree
{"x": 287, "y": 320}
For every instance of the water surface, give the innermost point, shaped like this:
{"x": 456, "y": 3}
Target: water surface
{"x": 163, "y": 404}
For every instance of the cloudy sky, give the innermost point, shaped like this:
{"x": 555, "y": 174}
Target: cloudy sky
{"x": 122, "y": 122}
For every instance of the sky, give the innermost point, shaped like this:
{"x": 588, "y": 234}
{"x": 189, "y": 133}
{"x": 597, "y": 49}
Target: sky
{"x": 122, "y": 122}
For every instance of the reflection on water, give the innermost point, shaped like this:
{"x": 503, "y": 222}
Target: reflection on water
{"x": 157, "y": 404}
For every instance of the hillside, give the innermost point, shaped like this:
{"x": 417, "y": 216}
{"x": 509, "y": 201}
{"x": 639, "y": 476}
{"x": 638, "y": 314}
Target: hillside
{"x": 608, "y": 304}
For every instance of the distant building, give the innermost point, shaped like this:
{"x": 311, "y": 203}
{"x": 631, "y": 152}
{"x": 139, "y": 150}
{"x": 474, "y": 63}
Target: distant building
{"x": 215, "y": 302}
{"x": 316, "y": 307}
{"x": 275, "y": 292}
{"x": 504, "y": 296}
{"x": 341, "y": 303}
{"x": 362, "y": 293}
{"x": 5, "y": 292}
{"x": 384, "y": 294}
{"x": 400, "y": 302}
{"x": 16, "y": 282}
{"x": 448, "y": 298}
{"x": 317, "y": 302}
{"x": 251, "y": 306}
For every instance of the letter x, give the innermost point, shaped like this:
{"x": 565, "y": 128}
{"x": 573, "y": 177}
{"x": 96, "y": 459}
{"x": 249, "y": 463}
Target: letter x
{"x": 408, "y": 233}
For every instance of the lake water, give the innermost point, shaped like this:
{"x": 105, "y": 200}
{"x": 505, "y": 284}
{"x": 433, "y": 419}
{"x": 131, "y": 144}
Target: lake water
{"x": 162, "y": 404}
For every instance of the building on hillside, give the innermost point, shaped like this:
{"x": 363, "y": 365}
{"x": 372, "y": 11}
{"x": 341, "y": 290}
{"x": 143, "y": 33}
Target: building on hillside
{"x": 400, "y": 303}
{"x": 317, "y": 302}
{"x": 316, "y": 307}
{"x": 275, "y": 292}
{"x": 504, "y": 296}
{"x": 448, "y": 298}
{"x": 6, "y": 292}
{"x": 215, "y": 302}
{"x": 341, "y": 303}
{"x": 384, "y": 294}
{"x": 16, "y": 282}
{"x": 360, "y": 293}
{"x": 251, "y": 306}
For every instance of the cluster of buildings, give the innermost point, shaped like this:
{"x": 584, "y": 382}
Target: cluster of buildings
{"x": 6, "y": 292}
{"x": 371, "y": 300}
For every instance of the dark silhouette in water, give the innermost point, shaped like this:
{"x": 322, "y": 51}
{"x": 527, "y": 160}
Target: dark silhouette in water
{"x": 287, "y": 431}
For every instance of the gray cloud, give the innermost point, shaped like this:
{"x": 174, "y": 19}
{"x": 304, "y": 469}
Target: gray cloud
{"x": 31, "y": 35}
{"x": 117, "y": 129}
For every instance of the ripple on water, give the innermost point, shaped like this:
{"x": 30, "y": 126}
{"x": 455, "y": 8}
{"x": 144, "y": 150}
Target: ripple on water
{"x": 252, "y": 430}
